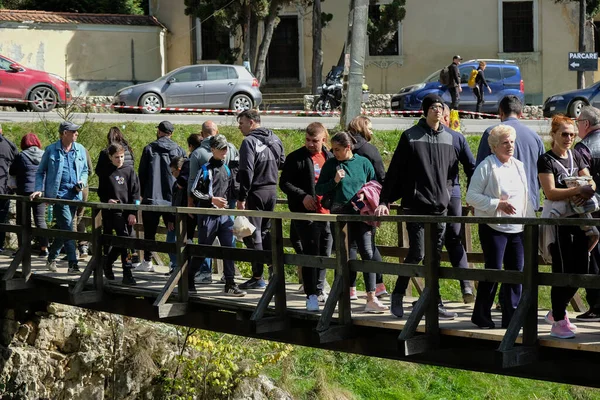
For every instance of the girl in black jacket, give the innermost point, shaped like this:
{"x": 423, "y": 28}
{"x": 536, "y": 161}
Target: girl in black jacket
{"x": 361, "y": 129}
{"x": 480, "y": 82}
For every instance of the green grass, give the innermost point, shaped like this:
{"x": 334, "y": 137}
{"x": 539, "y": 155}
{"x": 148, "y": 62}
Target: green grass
{"x": 318, "y": 374}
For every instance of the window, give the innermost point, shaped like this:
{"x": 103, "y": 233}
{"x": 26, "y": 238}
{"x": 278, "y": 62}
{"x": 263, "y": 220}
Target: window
{"x": 210, "y": 40}
{"x": 216, "y": 73}
{"x": 4, "y": 64}
{"x": 518, "y": 27}
{"x": 188, "y": 75}
{"x": 492, "y": 74}
{"x": 394, "y": 47}
{"x": 509, "y": 72}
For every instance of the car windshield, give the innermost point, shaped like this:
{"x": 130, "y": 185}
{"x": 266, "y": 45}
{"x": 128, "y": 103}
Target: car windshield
{"x": 433, "y": 77}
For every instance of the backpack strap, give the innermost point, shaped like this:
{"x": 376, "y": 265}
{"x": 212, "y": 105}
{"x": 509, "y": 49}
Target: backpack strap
{"x": 228, "y": 170}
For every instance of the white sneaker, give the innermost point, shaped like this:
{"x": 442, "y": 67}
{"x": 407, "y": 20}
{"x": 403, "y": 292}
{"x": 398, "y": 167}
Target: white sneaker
{"x": 312, "y": 303}
{"x": 145, "y": 266}
{"x": 322, "y": 297}
{"x": 375, "y": 307}
{"x": 51, "y": 265}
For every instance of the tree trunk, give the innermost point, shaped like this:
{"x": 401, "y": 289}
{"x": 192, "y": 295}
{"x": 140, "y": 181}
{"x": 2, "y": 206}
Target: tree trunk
{"x": 253, "y": 41}
{"x": 317, "y": 62}
{"x": 271, "y": 23}
{"x": 582, "y": 20}
{"x": 246, "y": 29}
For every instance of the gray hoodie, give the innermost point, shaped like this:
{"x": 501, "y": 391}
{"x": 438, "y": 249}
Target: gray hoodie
{"x": 24, "y": 168}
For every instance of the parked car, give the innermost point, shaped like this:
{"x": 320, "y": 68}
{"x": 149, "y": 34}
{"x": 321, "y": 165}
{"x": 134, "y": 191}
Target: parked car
{"x": 503, "y": 76}
{"x": 37, "y": 90}
{"x": 570, "y": 103}
{"x": 195, "y": 86}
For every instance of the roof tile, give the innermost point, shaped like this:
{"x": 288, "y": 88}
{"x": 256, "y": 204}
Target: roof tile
{"x": 77, "y": 18}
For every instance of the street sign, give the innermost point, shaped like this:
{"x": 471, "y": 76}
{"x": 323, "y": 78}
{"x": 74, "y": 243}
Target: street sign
{"x": 583, "y": 61}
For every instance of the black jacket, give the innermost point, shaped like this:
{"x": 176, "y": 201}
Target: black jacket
{"x": 156, "y": 180}
{"x": 370, "y": 152}
{"x": 218, "y": 179}
{"x": 261, "y": 157}
{"x": 298, "y": 178}
{"x": 454, "y": 75}
{"x": 119, "y": 184}
{"x": 24, "y": 167}
{"x": 8, "y": 153}
{"x": 480, "y": 81}
{"x": 104, "y": 160}
{"x": 180, "y": 186}
{"x": 419, "y": 170}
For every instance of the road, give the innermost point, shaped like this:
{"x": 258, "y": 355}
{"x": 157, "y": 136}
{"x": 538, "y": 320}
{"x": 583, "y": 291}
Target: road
{"x": 471, "y": 126}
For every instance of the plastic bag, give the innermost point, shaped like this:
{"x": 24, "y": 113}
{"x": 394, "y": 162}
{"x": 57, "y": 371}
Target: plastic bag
{"x": 242, "y": 228}
{"x": 454, "y": 120}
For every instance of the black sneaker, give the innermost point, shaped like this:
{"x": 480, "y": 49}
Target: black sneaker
{"x": 108, "y": 271}
{"x": 73, "y": 268}
{"x": 253, "y": 283}
{"x": 397, "y": 309}
{"x": 233, "y": 290}
{"x": 592, "y": 315}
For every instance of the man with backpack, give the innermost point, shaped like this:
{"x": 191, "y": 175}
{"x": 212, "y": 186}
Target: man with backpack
{"x": 450, "y": 76}
{"x": 261, "y": 157}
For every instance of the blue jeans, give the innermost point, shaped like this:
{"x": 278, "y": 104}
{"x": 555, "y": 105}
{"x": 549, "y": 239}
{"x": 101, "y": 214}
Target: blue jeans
{"x": 64, "y": 221}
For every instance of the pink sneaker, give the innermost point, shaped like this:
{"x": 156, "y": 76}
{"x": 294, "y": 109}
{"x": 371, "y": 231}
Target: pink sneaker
{"x": 549, "y": 318}
{"x": 561, "y": 330}
{"x": 353, "y": 295}
{"x": 380, "y": 290}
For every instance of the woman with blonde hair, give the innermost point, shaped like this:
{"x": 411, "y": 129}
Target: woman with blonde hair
{"x": 569, "y": 244}
{"x": 499, "y": 189}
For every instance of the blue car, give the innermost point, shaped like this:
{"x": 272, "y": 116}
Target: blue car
{"x": 571, "y": 103}
{"x": 503, "y": 76}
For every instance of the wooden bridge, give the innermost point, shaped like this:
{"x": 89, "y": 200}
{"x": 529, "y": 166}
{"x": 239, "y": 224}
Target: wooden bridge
{"x": 524, "y": 349}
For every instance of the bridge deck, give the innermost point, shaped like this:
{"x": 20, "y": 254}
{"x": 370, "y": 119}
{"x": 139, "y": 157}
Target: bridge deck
{"x": 149, "y": 284}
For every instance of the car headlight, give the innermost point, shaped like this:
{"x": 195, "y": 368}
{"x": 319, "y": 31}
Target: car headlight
{"x": 55, "y": 76}
{"x": 556, "y": 98}
{"x": 411, "y": 88}
{"x": 124, "y": 92}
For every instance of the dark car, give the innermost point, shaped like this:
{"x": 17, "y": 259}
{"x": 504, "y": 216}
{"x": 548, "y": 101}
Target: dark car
{"x": 24, "y": 88}
{"x": 571, "y": 103}
{"x": 503, "y": 76}
{"x": 195, "y": 86}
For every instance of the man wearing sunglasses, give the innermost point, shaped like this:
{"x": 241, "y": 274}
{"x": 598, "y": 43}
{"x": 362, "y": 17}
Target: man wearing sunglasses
{"x": 588, "y": 126}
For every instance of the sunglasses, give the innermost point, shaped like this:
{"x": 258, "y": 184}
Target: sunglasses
{"x": 567, "y": 134}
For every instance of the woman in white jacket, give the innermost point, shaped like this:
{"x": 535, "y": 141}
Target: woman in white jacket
{"x": 499, "y": 189}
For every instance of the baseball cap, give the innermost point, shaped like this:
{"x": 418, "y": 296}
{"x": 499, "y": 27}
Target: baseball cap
{"x": 67, "y": 126}
{"x": 166, "y": 127}
{"x": 457, "y": 57}
{"x": 218, "y": 142}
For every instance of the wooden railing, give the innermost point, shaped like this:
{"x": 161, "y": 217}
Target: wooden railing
{"x": 170, "y": 303}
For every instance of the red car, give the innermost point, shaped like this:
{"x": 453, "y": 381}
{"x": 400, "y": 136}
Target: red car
{"x": 24, "y": 87}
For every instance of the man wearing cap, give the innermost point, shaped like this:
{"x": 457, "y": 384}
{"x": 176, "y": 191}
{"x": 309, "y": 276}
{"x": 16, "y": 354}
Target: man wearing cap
{"x": 8, "y": 152}
{"x": 63, "y": 174}
{"x": 156, "y": 183}
{"x": 213, "y": 188}
{"x": 427, "y": 151}
{"x": 454, "y": 86}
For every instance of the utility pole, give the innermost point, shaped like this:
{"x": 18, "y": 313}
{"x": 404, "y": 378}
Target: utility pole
{"x": 582, "y": 21}
{"x": 359, "y": 14}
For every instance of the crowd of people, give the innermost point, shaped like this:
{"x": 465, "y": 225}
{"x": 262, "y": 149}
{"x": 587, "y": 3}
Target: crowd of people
{"x": 344, "y": 174}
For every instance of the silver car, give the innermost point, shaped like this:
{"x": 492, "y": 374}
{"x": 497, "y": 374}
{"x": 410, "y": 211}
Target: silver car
{"x": 195, "y": 86}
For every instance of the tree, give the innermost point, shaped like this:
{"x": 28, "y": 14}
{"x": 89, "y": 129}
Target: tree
{"x": 588, "y": 9}
{"x": 80, "y": 6}
{"x": 319, "y": 21}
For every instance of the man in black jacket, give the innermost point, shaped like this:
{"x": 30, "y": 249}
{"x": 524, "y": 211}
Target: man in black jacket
{"x": 299, "y": 174}
{"x": 8, "y": 152}
{"x": 261, "y": 157}
{"x": 454, "y": 86}
{"x": 156, "y": 182}
{"x": 419, "y": 174}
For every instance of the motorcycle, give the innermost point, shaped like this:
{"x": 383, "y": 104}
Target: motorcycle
{"x": 330, "y": 93}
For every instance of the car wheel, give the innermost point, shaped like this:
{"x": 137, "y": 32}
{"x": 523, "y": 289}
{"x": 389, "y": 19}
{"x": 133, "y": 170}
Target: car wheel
{"x": 151, "y": 103}
{"x": 241, "y": 102}
{"x": 43, "y": 99}
{"x": 575, "y": 108}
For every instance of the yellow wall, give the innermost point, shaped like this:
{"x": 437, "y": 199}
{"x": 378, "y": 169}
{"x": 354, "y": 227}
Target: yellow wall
{"x": 171, "y": 13}
{"x": 432, "y": 33}
{"x": 90, "y": 53}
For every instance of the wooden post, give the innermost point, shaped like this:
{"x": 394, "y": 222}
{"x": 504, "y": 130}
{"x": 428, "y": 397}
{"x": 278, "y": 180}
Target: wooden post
{"x": 97, "y": 246}
{"x": 432, "y": 275}
{"x": 343, "y": 269}
{"x": 530, "y": 271}
{"x": 25, "y": 238}
{"x": 278, "y": 266}
{"x": 180, "y": 244}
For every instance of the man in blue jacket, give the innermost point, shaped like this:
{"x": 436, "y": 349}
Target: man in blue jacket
{"x": 62, "y": 174}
